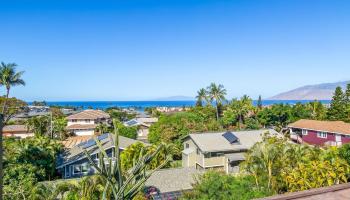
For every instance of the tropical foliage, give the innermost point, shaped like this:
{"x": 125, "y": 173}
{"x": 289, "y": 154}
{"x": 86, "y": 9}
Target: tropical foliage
{"x": 173, "y": 128}
{"x": 26, "y": 162}
{"x": 42, "y": 125}
{"x": 119, "y": 114}
{"x": 123, "y": 184}
{"x": 281, "y": 166}
{"x": 14, "y": 106}
{"x": 216, "y": 185}
{"x": 132, "y": 154}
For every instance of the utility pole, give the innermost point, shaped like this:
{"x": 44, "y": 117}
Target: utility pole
{"x": 51, "y": 131}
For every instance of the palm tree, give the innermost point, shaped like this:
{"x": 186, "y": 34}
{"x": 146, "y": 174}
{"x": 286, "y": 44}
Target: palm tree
{"x": 123, "y": 184}
{"x": 101, "y": 129}
{"x": 217, "y": 93}
{"x": 202, "y": 95}
{"x": 8, "y": 78}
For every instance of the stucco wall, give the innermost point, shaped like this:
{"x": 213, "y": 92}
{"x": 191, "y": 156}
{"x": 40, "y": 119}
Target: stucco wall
{"x": 84, "y": 132}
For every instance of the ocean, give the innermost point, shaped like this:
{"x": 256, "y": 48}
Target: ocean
{"x": 141, "y": 105}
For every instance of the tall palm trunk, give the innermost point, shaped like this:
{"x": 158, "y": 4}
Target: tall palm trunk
{"x": 1, "y": 143}
{"x": 1, "y": 156}
{"x": 217, "y": 111}
{"x": 5, "y": 101}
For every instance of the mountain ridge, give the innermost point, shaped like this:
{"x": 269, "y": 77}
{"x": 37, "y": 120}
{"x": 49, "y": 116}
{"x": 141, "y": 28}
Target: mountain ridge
{"x": 322, "y": 91}
{"x": 175, "y": 98}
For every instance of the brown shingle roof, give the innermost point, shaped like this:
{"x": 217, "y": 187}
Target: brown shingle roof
{"x": 326, "y": 126}
{"x": 72, "y": 141}
{"x": 89, "y": 114}
{"x": 15, "y": 128}
{"x": 81, "y": 126}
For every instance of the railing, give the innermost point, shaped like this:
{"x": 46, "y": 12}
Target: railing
{"x": 333, "y": 143}
{"x": 296, "y": 137}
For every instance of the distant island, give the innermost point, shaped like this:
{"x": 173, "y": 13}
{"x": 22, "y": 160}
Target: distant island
{"x": 322, "y": 91}
{"x": 174, "y": 98}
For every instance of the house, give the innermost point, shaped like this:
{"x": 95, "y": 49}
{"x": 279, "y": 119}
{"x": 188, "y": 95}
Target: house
{"x": 85, "y": 122}
{"x": 143, "y": 124}
{"x": 320, "y": 133}
{"x": 335, "y": 192}
{"x": 20, "y": 131}
{"x": 222, "y": 150}
{"x": 73, "y": 163}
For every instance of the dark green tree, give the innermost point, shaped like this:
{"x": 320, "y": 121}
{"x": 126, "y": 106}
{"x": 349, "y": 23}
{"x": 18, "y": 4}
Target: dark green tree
{"x": 259, "y": 103}
{"x": 347, "y": 102}
{"x": 337, "y": 110}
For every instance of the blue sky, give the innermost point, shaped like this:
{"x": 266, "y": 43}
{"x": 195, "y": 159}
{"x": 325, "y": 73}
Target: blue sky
{"x": 134, "y": 50}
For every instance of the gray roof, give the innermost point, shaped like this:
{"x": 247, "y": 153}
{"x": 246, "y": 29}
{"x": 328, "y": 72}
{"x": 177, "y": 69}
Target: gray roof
{"x": 235, "y": 156}
{"x": 173, "y": 179}
{"x": 77, "y": 152}
{"x": 215, "y": 142}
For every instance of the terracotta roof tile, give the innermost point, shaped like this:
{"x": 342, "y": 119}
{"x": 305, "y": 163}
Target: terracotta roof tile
{"x": 73, "y": 141}
{"x": 15, "y": 128}
{"x": 326, "y": 126}
{"x": 89, "y": 114}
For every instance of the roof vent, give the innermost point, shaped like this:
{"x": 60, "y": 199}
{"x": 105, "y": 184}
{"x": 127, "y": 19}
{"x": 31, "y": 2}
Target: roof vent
{"x": 230, "y": 137}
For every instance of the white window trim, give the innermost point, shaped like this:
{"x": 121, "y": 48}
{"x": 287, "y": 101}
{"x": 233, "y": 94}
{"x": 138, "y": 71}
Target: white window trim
{"x": 321, "y": 134}
{"x": 304, "y": 132}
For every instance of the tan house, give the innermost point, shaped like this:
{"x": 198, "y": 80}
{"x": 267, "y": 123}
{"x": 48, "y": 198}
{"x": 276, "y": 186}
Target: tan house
{"x": 20, "y": 131}
{"x": 221, "y": 150}
{"x": 143, "y": 124}
{"x": 85, "y": 122}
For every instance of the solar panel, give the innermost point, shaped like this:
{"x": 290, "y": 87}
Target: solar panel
{"x": 81, "y": 144}
{"x": 89, "y": 143}
{"x": 131, "y": 122}
{"x": 230, "y": 137}
{"x": 102, "y": 137}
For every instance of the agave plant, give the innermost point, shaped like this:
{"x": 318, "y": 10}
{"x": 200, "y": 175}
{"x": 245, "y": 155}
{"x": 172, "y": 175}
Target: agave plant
{"x": 123, "y": 185}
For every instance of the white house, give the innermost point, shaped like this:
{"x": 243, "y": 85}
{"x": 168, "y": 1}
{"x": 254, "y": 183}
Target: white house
{"x": 85, "y": 122}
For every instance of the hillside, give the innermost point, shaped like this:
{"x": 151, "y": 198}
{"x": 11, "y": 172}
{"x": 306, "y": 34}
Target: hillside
{"x": 322, "y": 91}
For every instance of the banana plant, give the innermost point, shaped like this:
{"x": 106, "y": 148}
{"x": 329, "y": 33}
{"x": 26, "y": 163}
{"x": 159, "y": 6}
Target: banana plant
{"x": 123, "y": 185}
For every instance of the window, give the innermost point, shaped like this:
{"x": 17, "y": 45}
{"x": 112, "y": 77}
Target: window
{"x": 85, "y": 168}
{"x": 76, "y": 169}
{"x": 187, "y": 145}
{"x": 74, "y": 120}
{"x": 304, "y": 132}
{"x": 87, "y": 121}
{"x": 213, "y": 154}
{"x": 198, "y": 152}
{"x": 321, "y": 134}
